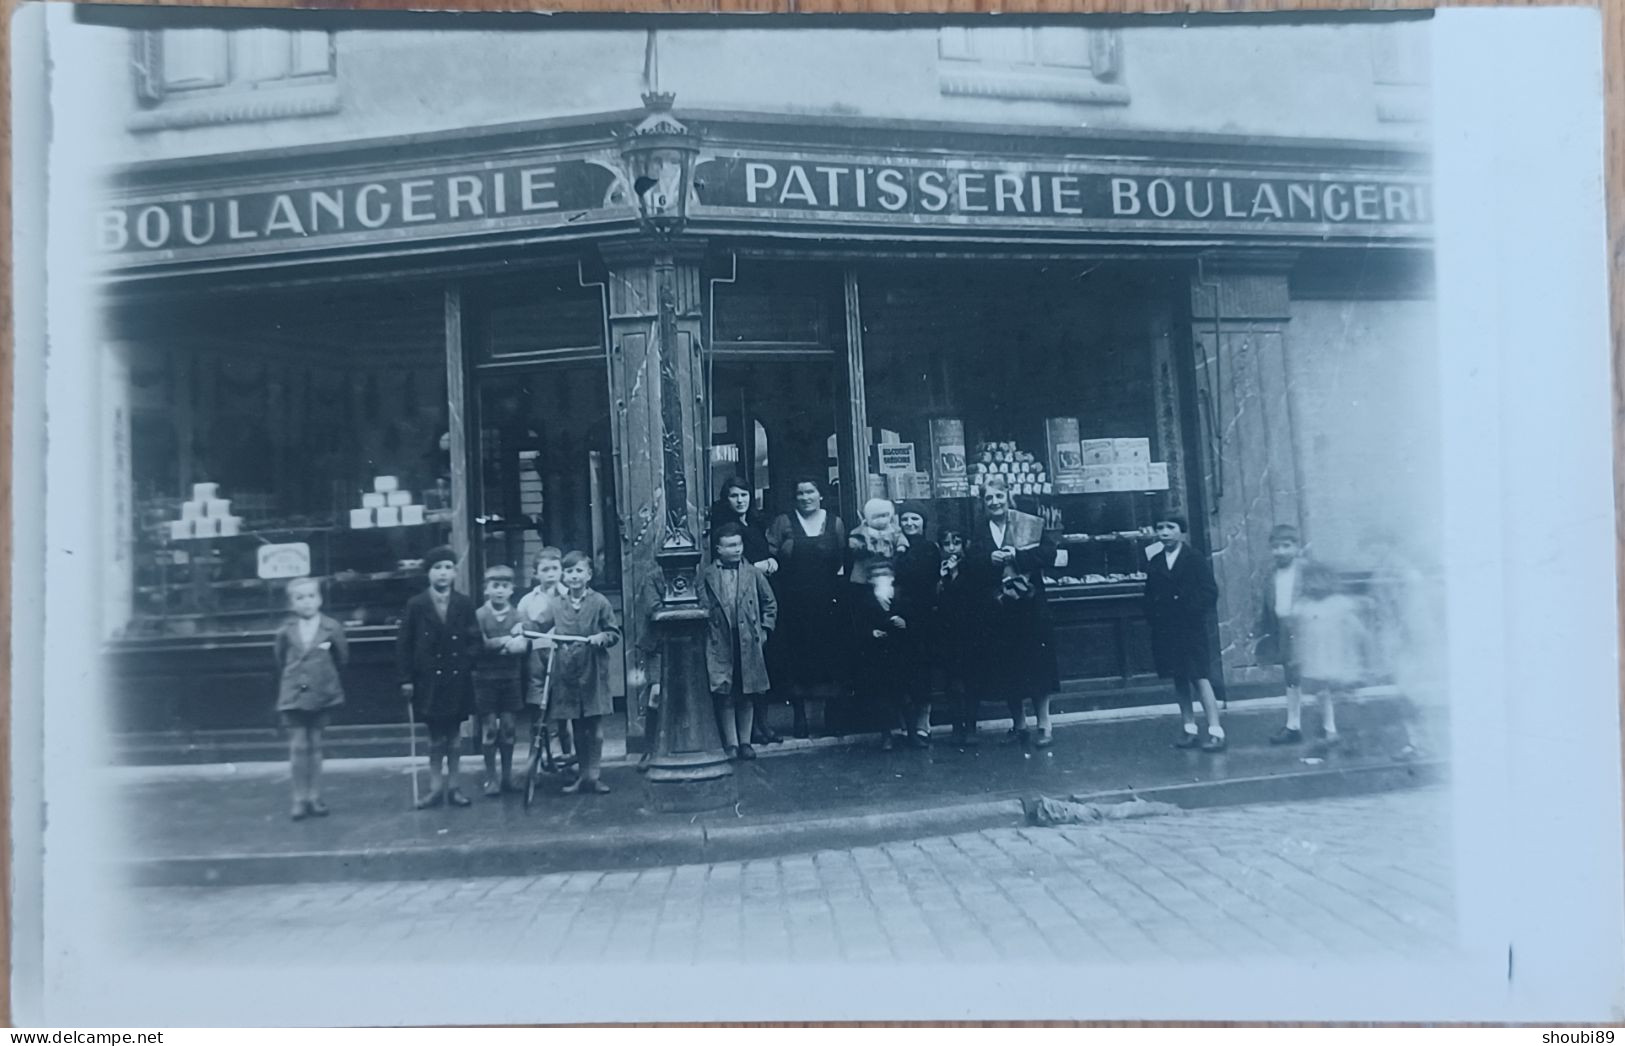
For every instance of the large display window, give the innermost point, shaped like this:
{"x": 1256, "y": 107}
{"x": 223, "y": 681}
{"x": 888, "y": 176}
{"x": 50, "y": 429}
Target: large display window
{"x": 1057, "y": 377}
{"x": 279, "y": 435}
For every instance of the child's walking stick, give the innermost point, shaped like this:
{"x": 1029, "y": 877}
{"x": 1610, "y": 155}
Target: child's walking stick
{"x": 412, "y": 743}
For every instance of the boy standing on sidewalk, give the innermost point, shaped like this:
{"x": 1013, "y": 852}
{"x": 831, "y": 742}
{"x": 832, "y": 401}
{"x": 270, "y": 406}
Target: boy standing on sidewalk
{"x": 310, "y": 650}
{"x": 435, "y": 650}
{"x": 1180, "y": 593}
{"x": 497, "y": 700}
{"x": 536, "y": 609}
{"x": 580, "y": 688}
{"x": 741, "y": 613}
{"x": 1277, "y": 624}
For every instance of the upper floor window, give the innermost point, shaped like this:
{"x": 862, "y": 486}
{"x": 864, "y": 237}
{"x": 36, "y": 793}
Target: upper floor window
{"x": 1049, "y": 63}
{"x": 1400, "y": 60}
{"x": 195, "y": 76}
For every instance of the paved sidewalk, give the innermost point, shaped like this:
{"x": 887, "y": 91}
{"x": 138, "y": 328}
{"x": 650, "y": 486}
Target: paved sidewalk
{"x": 223, "y": 827}
{"x": 1333, "y": 879}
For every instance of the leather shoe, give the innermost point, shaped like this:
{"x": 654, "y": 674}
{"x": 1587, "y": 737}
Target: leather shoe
{"x": 1286, "y": 736}
{"x": 1213, "y": 744}
{"x": 747, "y": 752}
{"x": 1189, "y": 741}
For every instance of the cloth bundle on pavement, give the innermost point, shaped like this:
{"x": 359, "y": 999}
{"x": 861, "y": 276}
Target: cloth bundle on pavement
{"x": 1045, "y": 812}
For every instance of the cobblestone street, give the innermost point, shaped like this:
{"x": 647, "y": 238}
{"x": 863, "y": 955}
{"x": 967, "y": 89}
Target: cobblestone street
{"x": 1368, "y": 875}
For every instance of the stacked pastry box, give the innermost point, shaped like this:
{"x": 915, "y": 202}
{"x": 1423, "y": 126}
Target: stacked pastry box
{"x": 386, "y": 505}
{"x": 1122, "y": 465}
{"x": 1026, "y": 475}
{"x": 205, "y": 515}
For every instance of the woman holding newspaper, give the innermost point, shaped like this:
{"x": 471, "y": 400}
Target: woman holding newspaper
{"x": 1006, "y": 560}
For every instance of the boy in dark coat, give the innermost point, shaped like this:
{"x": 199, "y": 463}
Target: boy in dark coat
{"x": 741, "y": 613}
{"x": 435, "y": 648}
{"x": 1180, "y": 593}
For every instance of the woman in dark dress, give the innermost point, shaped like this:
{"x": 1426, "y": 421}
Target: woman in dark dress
{"x": 919, "y": 573}
{"x": 808, "y": 549}
{"x": 1007, "y": 557}
{"x": 733, "y": 506}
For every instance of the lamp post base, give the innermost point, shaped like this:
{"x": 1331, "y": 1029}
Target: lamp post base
{"x": 688, "y": 771}
{"x": 707, "y": 785}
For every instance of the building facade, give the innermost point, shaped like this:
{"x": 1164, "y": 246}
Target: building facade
{"x": 367, "y": 290}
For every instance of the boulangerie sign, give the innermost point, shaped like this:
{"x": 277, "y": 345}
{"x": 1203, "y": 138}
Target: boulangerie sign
{"x": 1078, "y": 196}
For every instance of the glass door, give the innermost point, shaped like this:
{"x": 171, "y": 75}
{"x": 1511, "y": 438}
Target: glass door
{"x": 546, "y": 470}
{"x": 774, "y": 421}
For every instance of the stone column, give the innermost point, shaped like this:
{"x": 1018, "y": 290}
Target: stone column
{"x": 1240, "y": 306}
{"x": 655, "y": 318}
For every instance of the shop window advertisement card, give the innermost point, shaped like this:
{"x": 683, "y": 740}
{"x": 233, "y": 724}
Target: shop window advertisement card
{"x": 950, "y": 476}
{"x": 1157, "y": 476}
{"x": 280, "y": 562}
{"x": 896, "y": 457}
{"x": 1065, "y": 455}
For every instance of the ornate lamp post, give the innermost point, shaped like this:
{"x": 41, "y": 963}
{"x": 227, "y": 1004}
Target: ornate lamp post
{"x": 687, "y": 770}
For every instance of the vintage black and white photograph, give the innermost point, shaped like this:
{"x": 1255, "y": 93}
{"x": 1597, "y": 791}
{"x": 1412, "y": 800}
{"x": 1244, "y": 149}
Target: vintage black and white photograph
{"x": 824, "y": 499}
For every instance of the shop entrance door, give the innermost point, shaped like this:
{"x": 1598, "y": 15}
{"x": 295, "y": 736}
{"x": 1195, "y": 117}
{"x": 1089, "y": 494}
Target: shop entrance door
{"x": 774, "y": 420}
{"x": 544, "y": 473}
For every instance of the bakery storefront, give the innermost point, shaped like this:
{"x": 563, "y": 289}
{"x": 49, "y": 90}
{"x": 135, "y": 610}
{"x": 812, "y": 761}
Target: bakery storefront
{"x": 573, "y": 333}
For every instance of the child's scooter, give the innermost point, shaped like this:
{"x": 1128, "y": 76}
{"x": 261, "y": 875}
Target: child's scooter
{"x": 542, "y": 760}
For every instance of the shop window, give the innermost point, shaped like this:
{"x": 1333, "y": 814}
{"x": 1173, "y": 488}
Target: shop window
{"x": 1046, "y": 63}
{"x": 1048, "y": 376}
{"x": 281, "y": 437}
{"x": 186, "y": 77}
{"x": 1400, "y": 64}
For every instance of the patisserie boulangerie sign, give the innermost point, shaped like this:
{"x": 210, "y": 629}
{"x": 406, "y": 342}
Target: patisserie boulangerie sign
{"x": 481, "y": 198}
{"x": 1080, "y": 196}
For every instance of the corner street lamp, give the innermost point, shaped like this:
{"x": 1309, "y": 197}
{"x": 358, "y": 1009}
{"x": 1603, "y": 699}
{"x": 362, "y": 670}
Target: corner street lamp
{"x": 659, "y": 154}
{"x": 687, "y": 770}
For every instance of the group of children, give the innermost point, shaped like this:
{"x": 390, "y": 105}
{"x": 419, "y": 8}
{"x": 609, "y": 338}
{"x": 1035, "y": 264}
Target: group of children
{"x": 1309, "y": 624}
{"x": 457, "y": 660}
{"x": 908, "y": 612}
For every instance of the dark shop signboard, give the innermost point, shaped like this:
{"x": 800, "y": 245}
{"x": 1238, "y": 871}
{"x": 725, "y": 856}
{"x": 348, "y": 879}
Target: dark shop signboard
{"x": 509, "y": 195}
{"x": 337, "y": 211}
{"x": 1060, "y": 197}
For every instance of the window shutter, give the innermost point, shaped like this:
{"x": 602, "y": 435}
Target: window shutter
{"x": 147, "y": 65}
{"x": 1106, "y": 54}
